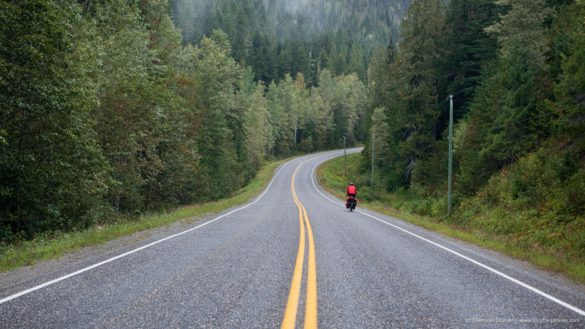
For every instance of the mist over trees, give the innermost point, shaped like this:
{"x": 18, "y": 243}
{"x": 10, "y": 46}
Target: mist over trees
{"x": 277, "y": 37}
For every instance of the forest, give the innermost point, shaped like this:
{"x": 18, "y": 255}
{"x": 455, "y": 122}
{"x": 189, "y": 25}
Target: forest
{"x": 277, "y": 37}
{"x": 115, "y": 108}
{"x": 108, "y": 113}
{"x": 515, "y": 70}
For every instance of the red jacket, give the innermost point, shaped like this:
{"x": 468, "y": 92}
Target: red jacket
{"x": 351, "y": 189}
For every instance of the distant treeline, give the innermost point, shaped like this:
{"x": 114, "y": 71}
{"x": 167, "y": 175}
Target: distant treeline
{"x": 107, "y": 113}
{"x": 278, "y": 37}
{"x": 516, "y": 69}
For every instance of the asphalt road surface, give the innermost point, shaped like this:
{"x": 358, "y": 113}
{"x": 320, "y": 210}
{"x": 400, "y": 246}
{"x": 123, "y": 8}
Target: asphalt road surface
{"x": 294, "y": 257}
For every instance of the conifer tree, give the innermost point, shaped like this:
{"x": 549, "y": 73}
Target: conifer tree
{"x": 417, "y": 79}
{"x": 470, "y": 48}
{"x": 507, "y": 116}
{"x": 219, "y": 171}
{"x": 570, "y": 90}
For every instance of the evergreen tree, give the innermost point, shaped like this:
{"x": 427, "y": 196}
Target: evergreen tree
{"x": 262, "y": 58}
{"x": 356, "y": 62}
{"x": 380, "y": 131}
{"x": 507, "y": 117}
{"x": 470, "y": 47}
{"x": 219, "y": 171}
{"x": 280, "y": 99}
{"x": 418, "y": 81}
{"x": 570, "y": 90}
{"x": 522, "y": 123}
{"x": 379, "y": 75}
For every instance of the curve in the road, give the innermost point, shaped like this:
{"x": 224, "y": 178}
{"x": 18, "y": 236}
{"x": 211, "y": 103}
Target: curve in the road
{"x": 290, "y": 313}
{"x": 237, "y": 273}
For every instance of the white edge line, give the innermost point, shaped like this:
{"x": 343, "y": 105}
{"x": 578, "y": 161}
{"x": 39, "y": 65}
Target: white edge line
{"x": 525, "y": 285}
{"x": 27, "y": 291}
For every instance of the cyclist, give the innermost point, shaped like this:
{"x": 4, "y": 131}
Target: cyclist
{"x": 351, "y": 192}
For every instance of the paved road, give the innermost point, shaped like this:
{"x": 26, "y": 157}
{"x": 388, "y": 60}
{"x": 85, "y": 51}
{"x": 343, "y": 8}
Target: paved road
{"x": 247, "y": 269}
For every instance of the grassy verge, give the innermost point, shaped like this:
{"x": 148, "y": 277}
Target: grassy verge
{"x": 409, "y": 207}
{"x": 39, "y": 249}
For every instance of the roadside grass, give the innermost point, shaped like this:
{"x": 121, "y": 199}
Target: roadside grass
{"x": 408, "y": 207}
{"x": 44, "y": 248}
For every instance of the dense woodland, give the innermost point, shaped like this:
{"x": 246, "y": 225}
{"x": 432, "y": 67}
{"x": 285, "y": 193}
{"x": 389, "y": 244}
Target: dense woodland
{"x": 278, "y": 37}
{"x": 516, "y": 70}
{"x": 107, "y": 113}
{"x": 112, "y": 108}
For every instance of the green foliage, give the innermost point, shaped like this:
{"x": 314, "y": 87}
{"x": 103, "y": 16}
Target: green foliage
{"x": 538, "y": 201}
{"x": 259, "y": 135}
{"x": 494, "y": 218}
{"x": 52, "y": 170}
{"x": 283, "y": 116}
{"x": 515, "y": 68}
{"x": 48, "y": 246}
{"x": 412, "y": 95}
{"x": 500, "y": 74}
{"x": 220, "y": 141}
{"x": 470, "y": 48}
{"x": 106, "y": 114}
{"x": 569, "y": 91}
{"x": 126, "y": 119}
{"x": 279, "y": 37}
{"x": 311, "y": 119}
{"x": 507, "y": 117}
{"x": 348, "y": 108}
{"x": 381, "y": 135}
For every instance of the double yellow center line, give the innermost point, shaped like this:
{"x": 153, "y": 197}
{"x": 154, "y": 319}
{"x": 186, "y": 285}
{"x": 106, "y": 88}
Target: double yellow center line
{"x": 290, "y": 314}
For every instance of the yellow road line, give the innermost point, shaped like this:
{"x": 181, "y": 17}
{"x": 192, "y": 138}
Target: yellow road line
{"x": 311, "y": 304}
{"x": 290, "y": 313}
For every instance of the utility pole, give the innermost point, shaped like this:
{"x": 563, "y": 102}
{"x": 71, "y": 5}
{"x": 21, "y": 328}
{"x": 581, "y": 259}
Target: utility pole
{"x": 344, "y": 157}
{"x": 295, "y": 135}
{"x": 450, "y": 179}
{"x": 372, "y": 171}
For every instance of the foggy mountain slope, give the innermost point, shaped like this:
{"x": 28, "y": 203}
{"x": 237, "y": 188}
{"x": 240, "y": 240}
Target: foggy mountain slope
{"x": 295, "y": 36}
{"x": 198, "y": 17}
